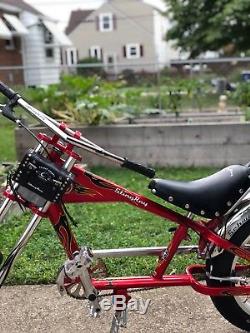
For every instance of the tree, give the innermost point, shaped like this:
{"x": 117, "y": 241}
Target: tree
{"x": 217, "y": 25}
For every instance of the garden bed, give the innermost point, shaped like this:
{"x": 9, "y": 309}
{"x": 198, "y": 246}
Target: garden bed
{"x": 232, "y": 115}
{"x": 187, "y": 145}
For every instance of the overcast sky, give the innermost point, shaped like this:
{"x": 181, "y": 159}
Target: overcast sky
{"x": 60, "y": 9}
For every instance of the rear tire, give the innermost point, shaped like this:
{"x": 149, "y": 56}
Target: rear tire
{"x": 233, "y": 308}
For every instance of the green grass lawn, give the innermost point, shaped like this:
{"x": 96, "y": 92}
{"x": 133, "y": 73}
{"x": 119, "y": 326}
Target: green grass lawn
{"x": 99, "y": 226}
{"x": 7, "y": 142}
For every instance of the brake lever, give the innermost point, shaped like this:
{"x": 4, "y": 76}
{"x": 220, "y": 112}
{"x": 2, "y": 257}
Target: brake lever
{"x": 8, "y": 113}
{"x": 7, "y": 109}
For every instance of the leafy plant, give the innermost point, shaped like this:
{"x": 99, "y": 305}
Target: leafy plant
{"x": 242, "y": 94}
{"x": 91, "y": 70}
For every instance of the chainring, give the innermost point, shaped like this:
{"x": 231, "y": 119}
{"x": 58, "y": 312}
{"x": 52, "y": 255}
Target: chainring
{"x": 97, "y": 270}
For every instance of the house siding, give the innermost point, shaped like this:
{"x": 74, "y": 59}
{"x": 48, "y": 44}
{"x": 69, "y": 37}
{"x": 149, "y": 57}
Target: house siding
{"x": 35, "y": 61}
{"x": 138, "y": 29}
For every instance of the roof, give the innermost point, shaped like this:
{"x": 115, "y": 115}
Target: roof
{"x": 76, "y": 17}
{"x": 22, "y": 5}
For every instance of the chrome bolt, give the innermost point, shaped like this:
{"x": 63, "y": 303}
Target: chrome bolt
{"x": 170, "y": 199}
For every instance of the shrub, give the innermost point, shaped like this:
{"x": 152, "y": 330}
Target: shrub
{"x": 242, "y": 94}
{"x": 90, "y": 71}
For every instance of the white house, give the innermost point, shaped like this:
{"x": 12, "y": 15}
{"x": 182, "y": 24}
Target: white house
{"x": 41, "y": 42}
{"x": 122, "y": 34}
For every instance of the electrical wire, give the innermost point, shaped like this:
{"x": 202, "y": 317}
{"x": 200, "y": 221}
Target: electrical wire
{"x": 20, "y": 124}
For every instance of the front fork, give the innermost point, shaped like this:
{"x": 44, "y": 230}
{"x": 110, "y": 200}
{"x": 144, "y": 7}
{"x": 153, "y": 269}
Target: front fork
{"x": 34, "y": 222}
{"x": 16, "y": 251}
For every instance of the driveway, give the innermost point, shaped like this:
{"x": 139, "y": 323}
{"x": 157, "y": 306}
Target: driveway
{"x": 33, "y": 309}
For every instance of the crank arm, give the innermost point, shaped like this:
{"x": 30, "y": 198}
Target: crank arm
{"x": 90, "y": 292}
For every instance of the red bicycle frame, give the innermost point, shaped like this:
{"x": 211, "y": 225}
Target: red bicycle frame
{"x": 55, "y": 162}
{"x": 90, "y": 188}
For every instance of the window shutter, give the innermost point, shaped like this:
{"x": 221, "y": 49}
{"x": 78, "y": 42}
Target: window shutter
{"x": 90, "y": 56}
{"x": 97, "y": 23}
{"x": 114, "y": 21}
{"x": 141, "y": 50}
{"x": 124, "y": 51}
{"x": 77, "y": 56}
{"x": 101, "y": 54}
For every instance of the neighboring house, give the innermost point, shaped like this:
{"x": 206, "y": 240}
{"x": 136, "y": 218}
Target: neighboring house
{"x": 30, "y": 40}
{"x": 11, "y": 32}
{"x": 122, "y": 34}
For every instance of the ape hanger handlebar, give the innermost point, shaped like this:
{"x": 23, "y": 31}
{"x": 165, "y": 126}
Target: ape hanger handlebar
{"x": 14, "y": 99}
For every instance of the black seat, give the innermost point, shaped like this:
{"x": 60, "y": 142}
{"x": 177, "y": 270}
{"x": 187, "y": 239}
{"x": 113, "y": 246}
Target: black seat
{"x": 210, "y": 197}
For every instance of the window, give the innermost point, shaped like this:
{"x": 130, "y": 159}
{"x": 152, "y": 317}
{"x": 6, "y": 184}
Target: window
{"x": 48, "y": 37}
{"x": 133, "y": 51}
{"x": 49, "y": 53}
{"x": 106, "y": 22}
{"x": 48, "y": 40}
{"x": 95, "y": 52}
{"x": 71, "y": 56}
{"x": 9, "y": 44}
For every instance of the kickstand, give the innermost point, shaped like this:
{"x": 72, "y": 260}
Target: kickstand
{"x": 120, "y": 319}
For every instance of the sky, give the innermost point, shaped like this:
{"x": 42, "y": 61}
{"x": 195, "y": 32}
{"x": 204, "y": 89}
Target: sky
{"x": 61, "y": 9}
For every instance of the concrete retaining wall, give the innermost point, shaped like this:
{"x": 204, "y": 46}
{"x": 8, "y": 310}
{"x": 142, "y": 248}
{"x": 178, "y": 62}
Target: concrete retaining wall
{"x": 165, "y": 145}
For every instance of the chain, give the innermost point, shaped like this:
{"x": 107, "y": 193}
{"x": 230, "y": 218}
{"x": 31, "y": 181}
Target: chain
{"x": 134, "y": 290}
{"x": 129, "y": 291}
{"x": 110, "y": 294}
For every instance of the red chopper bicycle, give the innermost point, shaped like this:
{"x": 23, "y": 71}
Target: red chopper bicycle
{"x": 50, "y": 176}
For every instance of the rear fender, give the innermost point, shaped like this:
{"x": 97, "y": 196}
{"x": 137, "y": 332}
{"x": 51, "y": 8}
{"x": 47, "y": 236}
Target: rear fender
{"x": 233, "y": 223}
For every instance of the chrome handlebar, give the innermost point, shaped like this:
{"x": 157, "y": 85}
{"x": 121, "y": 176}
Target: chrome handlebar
{"x": 68, "y": 135}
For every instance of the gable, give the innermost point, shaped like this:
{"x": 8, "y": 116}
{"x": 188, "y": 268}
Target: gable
{"x": 129, "y": 10}
{"x": 76, "y": 17}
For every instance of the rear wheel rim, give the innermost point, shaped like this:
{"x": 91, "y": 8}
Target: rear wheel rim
{"x": 242, "y": 301}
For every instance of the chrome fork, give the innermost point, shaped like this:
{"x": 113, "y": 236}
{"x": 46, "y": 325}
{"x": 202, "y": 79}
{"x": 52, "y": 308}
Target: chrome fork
{"x": 6, "y": 205}
{"x": 16, "y": 251}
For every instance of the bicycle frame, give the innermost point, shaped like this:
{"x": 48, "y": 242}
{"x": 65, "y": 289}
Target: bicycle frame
{"x": 90, "y": 188}
{"x": 94, "y": 189}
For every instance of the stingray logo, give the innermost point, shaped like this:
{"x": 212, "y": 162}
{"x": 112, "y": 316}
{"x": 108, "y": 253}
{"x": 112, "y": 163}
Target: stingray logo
{"x": 131, "y": 197}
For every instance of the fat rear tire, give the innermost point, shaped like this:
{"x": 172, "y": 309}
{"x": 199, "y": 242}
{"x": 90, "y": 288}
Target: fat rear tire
{"x": 222, "y": 266}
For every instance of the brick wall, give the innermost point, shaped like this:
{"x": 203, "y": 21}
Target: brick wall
{"x": 11, "y": 57}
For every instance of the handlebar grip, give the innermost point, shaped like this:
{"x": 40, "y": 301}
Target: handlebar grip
{"x": 6, "y": 91}
{"x": 145, "y": 171}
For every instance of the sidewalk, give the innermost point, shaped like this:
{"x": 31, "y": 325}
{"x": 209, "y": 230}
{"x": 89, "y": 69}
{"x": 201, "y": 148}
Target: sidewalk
{"x": 41, "y": 309}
